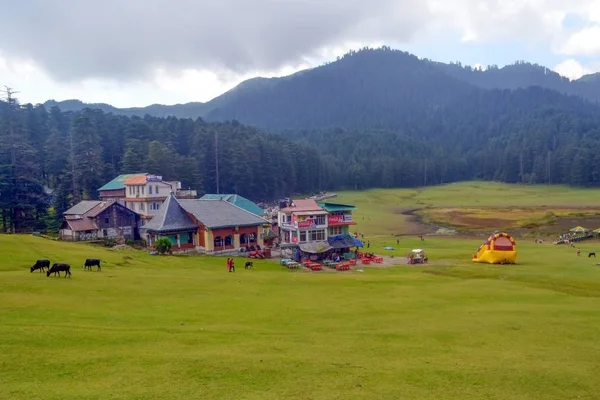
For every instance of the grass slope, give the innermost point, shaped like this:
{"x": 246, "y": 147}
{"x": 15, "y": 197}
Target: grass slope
{"x": 150, "y": 327}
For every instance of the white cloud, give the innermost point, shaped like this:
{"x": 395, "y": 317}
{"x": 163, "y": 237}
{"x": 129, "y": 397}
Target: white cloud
{"x": 583, "y": 42}
{"x": 193, "y": 50}
{"x": 573, "y": 69}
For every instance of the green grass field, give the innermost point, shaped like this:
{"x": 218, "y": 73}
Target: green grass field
{"x": 177, "y": 327}
{"x": 150, "y": 327}
{"x": 467, "y": 205}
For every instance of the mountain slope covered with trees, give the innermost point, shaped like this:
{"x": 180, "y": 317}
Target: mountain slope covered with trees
{"x": 375, "y": 118}
{"x": 519, "y": 75}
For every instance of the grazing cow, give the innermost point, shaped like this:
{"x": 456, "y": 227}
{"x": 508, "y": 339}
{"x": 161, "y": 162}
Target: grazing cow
{"x": 90, "y": 262}
{"x": 57, "y": 268}
{"x": 592, "y": 254}
{"x": 249, "y": 264}
{"x": 41, "y": 265}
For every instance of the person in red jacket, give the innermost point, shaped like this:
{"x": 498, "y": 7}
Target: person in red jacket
{"x": 228, "y": 264}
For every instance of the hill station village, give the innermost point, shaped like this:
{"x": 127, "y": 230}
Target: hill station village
{"x": 146, "y": 207}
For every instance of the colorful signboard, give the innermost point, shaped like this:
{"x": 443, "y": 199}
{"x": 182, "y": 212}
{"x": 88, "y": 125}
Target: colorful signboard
{"x": 337, "y": 219}
{"x": 307, "y": 223}
{"x": 153, "y": 178}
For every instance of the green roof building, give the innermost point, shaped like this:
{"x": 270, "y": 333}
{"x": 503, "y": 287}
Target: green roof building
{"x": 237, "y": 200}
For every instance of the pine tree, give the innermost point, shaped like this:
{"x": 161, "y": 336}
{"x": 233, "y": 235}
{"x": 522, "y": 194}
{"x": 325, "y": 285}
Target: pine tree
{"x": 86, "y": 156}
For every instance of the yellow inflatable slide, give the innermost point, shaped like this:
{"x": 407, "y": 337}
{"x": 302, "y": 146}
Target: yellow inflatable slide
{"x": 500, "y": 248}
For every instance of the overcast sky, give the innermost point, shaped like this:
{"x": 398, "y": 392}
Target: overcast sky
{"x": 139, "y": 52}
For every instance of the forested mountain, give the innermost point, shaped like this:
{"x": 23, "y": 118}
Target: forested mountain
{"x": 187, "y": 110}
{"x": 522, "y": 75}
{"x": 355, "y": 68}
{"x": 374, "y": 118}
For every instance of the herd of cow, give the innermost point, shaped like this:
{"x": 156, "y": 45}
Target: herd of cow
{"x": 57, "y": 268}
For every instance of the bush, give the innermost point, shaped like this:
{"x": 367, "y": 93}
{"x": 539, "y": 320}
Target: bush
{"x": 162, "y": 245}
{"x": 130, "y": 242}
{"x": 110, "y": 242}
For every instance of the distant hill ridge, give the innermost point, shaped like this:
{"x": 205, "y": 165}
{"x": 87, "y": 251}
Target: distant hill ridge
{"x": 364, "y": 82}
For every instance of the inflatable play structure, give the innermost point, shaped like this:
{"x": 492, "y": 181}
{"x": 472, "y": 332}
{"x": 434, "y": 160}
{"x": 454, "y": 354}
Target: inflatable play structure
{"x": 500, "y": 248}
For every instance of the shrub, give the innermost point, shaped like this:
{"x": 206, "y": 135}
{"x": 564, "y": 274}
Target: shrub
{"x": 110, "y": 242}
{"x": 130, "y": 242}
{"x": 162, "y": 245}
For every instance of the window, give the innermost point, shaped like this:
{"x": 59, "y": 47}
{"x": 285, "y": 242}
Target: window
{"x": 244, "y": 239}
{"x": 303, "y": 236}
{"x": 190, "y": 237}
{"x": 229, "y": 240}
{"x": 335, "y": 230}
{"x": 218, "y": 241}
{"x": 142, "y": 207}
{"x": 252, "y": 237}
{"x": 142, "y": 189}
{"x": 320, "y": 219}
{"x": 317, "y": 235}
{"x": 106, "y": 220}
{"x": 156, "y": 189}
{"x": 137, "y": 190}
{"x": 150, "y": 189}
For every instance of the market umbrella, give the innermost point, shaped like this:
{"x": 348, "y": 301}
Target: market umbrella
{"x": 578, "y": 229}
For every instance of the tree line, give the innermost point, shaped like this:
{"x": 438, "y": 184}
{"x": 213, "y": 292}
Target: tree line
{"x": 51, "y": 160}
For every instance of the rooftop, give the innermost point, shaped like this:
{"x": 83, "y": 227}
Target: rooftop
{"x": 119, "y": 182}
{"x": 220, "y": 213}
{"x": 334, "y": 207}
{"x": 79, "y": 225}
{"x": 237, "y": 200}
{"x": 302, "y": 205}
{"x": 82, "y": 207}
{"x": 136, "y": 180}
{"x": 170, "y": 217}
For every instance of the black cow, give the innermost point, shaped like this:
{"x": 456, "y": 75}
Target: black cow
{"x": 57, "y": 268}
{"x": 41, "y": 265}
{"x": 249, "y": 264}
{"x": 90, "y": 262}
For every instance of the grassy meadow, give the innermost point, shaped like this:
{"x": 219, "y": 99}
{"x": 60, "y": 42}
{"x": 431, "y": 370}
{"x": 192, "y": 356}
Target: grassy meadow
{"x": 471, "y": 207}
{"x": 153, "y": 327}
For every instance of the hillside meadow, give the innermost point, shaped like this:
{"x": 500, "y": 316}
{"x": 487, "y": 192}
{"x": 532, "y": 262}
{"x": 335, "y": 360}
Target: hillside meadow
{"x": 473, "y": 207}
{"x": 152, "y": 327}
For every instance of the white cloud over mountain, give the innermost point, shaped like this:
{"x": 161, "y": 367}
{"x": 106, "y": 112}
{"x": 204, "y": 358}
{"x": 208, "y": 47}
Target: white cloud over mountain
{"x": 137, "y": 52}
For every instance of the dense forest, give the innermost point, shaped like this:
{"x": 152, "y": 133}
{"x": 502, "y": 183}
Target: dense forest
{"x": 50, "y": 160}
{"x": 374, "y": 118}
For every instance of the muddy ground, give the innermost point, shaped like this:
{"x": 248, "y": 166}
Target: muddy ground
{"x": 414, "y": 225}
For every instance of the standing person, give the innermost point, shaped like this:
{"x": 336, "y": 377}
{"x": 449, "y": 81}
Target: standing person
{"x": 397, "y": 241}
{"x": 578, "y": 252}
{"x": 232, "y": 263}
{"x": 228, "y": 264}
{"x": 368, "y": 244}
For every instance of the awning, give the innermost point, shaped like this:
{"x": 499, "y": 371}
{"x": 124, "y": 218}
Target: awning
{"x": 315, "y": 247}
{"x": 342, "y": 241}
{"x": 578, "y": 229}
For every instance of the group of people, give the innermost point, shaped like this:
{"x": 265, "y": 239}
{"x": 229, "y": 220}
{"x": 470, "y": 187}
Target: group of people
{"x": 230, "y": 265}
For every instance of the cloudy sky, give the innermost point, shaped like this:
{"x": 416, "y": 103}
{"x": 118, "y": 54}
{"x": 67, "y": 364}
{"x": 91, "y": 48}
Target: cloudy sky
{"x": 139, "y": 52}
